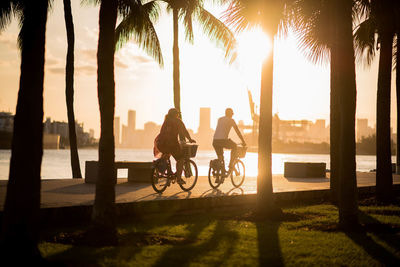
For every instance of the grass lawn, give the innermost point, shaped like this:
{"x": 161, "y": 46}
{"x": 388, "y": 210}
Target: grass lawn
{"x": 305, "y": 235}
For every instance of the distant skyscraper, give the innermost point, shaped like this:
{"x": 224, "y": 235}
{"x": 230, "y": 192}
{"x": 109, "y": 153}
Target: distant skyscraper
{"x": 116, "y": 130}
{"x": 131, "y": 120}
{"x": 205, "y": 119}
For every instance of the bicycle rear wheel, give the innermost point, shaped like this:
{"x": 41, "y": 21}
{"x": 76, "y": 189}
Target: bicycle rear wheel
{"x": 238, "y": 173}
{"x": 190, "y": 175}
{"x": 214, "y": 177}
{"x": 158, "y": 181}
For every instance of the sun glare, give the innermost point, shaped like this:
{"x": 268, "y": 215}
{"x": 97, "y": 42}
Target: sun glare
{"x": 253, "y": 45}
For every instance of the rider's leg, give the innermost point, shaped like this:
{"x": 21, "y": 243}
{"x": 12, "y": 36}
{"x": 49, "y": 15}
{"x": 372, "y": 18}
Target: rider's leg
{"x": 233, "y": 147}
{"x": 219, "y": 149}
{"x": 178, "y": 155}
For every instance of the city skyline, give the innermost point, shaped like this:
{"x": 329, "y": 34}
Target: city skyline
{"x": 143, "y": 86}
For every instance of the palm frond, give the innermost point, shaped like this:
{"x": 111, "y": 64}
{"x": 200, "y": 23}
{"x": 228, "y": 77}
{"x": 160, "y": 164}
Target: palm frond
{"x": 218, "y": 32}
{"x": 6, "y": 13}
{"x": 137, "y": 24}
{"x": 365, "y": 41}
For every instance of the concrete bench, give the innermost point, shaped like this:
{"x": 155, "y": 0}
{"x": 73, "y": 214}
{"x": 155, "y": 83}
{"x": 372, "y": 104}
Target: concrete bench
{"x": 137, "y": 171}
{"x": 304, "y": 170}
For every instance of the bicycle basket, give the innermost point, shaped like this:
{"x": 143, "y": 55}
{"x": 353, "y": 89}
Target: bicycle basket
{"x": 241, "y": 151}
{"x": 189, "y": 150}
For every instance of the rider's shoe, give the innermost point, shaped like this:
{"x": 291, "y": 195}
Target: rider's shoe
{"x": 180, "y": 181}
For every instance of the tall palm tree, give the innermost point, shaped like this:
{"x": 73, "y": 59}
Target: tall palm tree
{"x": 325, "y": 27}
{"x": 242, "y": 15}
{"x": 381, "y": 22}
{"x": 20, "y": 225}
{"x": 69, "y": 90}
{"x": 315, "y": 21}
{"x": 188, "y": 10}
{"x": 103, "y": 216}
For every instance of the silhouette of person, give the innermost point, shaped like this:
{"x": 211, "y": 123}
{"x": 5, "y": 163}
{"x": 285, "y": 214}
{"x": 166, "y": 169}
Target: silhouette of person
{"x": 167, "y": 141}
{"x": 221, "y": 140}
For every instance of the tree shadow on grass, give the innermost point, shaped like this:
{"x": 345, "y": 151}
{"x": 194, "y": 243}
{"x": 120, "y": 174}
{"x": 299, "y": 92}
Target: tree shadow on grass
{"x": 268, "y": 243}
{"x": 386, "y": 233}
{"x": 183, "y": 255}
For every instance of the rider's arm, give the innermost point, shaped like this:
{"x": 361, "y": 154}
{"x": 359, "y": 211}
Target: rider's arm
{"x": 238, "y": 132}
{"x": 183, "y": 131}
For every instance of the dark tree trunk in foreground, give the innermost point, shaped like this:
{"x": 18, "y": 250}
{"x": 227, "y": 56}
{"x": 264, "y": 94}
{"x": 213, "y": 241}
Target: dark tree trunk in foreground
{"x": 265, "y": 202}
{"x": 398, "y": 104}
{"x": 175, "y": 52}
{"x": 69, "y": 90}
{"x": 20, "y": 226}
{"x": 103, "y": 217}
{"x": 334, "y": 128}
{"x": 348, "y": 208}
{"x": 384, "y": 179}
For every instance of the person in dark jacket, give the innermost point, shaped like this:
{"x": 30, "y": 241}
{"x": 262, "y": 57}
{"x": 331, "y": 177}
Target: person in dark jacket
{"x": 168, "y": 143}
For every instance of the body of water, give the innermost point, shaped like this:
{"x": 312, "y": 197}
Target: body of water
{"x": 56, "y": 163}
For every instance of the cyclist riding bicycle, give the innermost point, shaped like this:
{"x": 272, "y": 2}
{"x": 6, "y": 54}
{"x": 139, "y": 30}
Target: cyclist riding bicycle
{"x": 221, "y": 140}
{"x": 167, "y": 141}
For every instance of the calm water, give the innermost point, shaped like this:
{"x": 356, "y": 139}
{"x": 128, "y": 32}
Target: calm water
{"x": 56, "y": 163}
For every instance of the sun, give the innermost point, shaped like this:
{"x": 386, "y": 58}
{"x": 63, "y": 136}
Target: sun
{"x": 253, "y": 45}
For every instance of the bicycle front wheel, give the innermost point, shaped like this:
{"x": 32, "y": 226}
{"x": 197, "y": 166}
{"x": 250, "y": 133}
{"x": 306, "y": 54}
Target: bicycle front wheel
{"x": 190, "y": 175}
{"x": 214, "y": 177}
{"x": 158, "y": 182}
{"x": 238, "y": 173}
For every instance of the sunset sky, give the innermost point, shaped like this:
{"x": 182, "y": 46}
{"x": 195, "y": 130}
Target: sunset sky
{"x": 301, "y": 89}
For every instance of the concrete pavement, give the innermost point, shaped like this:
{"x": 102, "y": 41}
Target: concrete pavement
{"x": 75, "y": 192}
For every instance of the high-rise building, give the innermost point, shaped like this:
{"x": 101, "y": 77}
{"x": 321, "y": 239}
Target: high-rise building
{"x": 362, "y": 129}
{"x": 205, "y": 120}
{"x": 116, "y": 131}
{"x": 131, "y": 120}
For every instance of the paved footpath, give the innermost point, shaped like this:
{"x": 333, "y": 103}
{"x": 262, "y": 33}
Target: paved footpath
{"x": 75, "y": 192}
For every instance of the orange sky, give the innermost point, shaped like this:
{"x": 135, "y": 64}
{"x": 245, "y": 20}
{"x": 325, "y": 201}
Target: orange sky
{"x": 301, "y": 89}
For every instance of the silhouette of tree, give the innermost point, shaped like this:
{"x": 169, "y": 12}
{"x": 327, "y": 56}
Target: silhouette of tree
{"x": 315, "y": 21}
{"x": 103, "y": 216}
{"x": 379, "y": 28}
{"x": 69, "y": 90}
{"x": 187, "y": 10}
{"x": 20, "y": 223}
{"x": 242, "y": 15}
{"x": 137, "y": 24}
{"x": 325, "y": 28}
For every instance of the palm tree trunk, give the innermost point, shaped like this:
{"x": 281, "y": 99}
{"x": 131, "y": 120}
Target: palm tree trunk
{"x": 334, "y": 128}
{"x": 69, "y": 90}
{"x": 384, "y": 179}
{"x": 20, "y": 226}
{"x": 348, "y": 208}
{"x": 398, "y": 104}
{"x": 264, "y": 180}
{"x": 103, "y": 217}
{"x": 175, "y": 52}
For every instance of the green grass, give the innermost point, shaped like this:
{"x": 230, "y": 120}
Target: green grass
{"x": 305, "y": 235}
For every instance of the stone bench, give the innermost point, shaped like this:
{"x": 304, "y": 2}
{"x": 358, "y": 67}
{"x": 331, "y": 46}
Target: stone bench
{"x": 304, "y": 170}
{"x": 137, "y": 171}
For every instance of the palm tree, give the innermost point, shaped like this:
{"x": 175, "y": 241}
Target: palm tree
{"x": 103, "y": 216}
{"x": 242, "y": 15}
{"x": 324, "y": 27}
{"x": 381, "y": 22}
{"x": 69, "y": 90}
{"x": 315, "y": 22}
{"x": 20, "y": 226}
{"x": 214, "y": 28}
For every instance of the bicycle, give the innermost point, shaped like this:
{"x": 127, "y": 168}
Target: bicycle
{"x": 163, "y": 176}
{"x": 216, "y": 174}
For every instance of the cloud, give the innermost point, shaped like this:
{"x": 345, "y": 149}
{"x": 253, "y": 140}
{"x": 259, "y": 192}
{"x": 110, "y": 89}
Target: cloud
{"x": 9, "y": 40}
